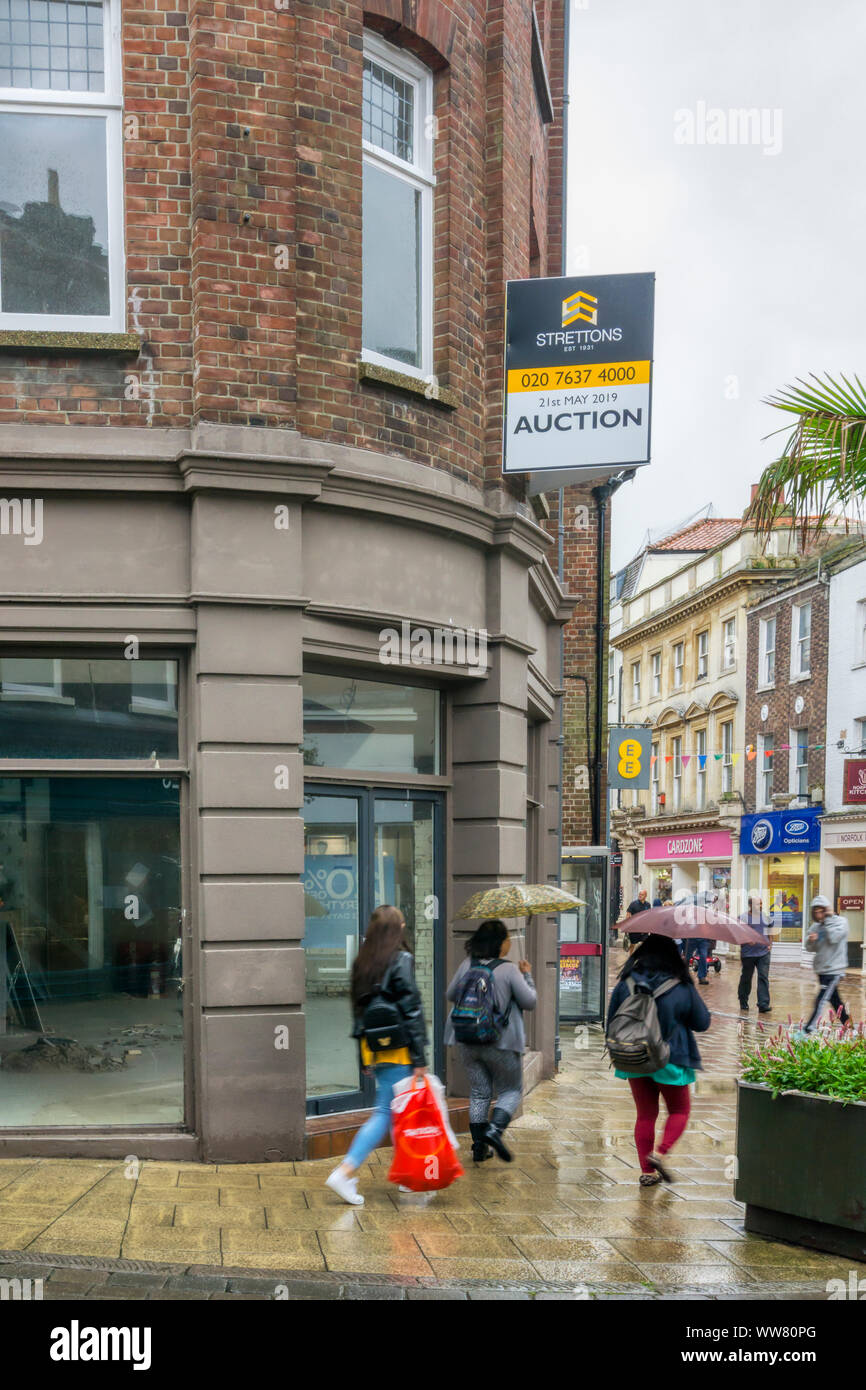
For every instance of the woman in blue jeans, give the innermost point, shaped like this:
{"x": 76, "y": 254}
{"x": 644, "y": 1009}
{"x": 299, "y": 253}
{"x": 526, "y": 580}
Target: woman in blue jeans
{"x": 383, "y": 972}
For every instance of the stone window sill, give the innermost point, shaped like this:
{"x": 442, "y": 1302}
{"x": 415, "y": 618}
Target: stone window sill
{"x": 27, "y": 339}
{"x": 429, "y": 391}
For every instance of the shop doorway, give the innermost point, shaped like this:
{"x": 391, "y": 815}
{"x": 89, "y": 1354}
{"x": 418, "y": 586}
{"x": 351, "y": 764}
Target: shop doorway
{"x": 363, "y": 847}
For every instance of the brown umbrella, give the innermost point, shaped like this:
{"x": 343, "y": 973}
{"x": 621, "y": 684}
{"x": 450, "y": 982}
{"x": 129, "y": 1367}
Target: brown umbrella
{"x": 692, "y": 921}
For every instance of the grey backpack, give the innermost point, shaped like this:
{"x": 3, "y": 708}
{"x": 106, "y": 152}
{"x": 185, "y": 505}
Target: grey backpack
{"x": 634, "y": 1036}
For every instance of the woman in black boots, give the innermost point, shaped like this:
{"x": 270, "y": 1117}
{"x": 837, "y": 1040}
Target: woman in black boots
{"x": 495, "y": 1066}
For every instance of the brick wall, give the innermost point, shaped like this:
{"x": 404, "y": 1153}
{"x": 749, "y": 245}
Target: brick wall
{"x": 782, "y": 716}
{"x": 243, "y": 178}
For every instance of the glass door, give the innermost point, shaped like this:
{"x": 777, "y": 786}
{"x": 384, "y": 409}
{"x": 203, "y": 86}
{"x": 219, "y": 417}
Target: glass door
{"x": 361, "y": 848}
{"x": 332, "y": 917}
{"x": 406, "y": 873}
{"x": 582, "y": 953}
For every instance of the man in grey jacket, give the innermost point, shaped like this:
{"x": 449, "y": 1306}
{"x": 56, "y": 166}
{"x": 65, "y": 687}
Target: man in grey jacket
{"x": 828, "y": 940}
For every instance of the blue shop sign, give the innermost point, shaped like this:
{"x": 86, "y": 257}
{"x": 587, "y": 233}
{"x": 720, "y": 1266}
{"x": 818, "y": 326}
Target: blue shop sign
{"x": 781, "y": 832}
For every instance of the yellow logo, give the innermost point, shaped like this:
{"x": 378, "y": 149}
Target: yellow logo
{"x": 629, "y": 758}
{"x": 579, "y": 306}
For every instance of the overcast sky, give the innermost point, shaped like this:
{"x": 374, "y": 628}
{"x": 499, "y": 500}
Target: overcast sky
{"x": 759, "y": 257}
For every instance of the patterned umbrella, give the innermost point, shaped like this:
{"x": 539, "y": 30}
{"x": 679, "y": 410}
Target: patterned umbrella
{"x": 518, "y": 900}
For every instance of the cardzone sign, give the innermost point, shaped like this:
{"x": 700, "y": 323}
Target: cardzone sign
{"x": 578, "y": 372}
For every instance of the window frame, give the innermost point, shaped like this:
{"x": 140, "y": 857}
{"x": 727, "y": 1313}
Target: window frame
{"x": 679, "y": 667}
{"x": 108, "y": 104}
{"x": 702, "y": 654}
{"x": 677, "y": 771}
{"x": 44, "y": 691}
{"x": 800, "y": 771}
{"x": 729, "y": 644}
{"x": 798, "y": 641}
{"x": 701, "y": 772}
{"x": 635, "y": 682}
{"x": 727, "y": 732}
{"x": 656, "y": 673}
{"x": 766, "y": 679}
{"x": 654, "y": 778}
{"x": 766, "y": 773}
{"x": 419, "y": 175}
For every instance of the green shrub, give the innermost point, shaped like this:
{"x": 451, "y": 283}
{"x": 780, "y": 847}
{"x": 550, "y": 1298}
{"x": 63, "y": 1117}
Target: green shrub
{"x": 823, "y": 1066}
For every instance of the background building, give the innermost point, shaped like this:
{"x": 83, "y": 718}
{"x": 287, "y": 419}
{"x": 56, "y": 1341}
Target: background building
{"x": 277, "y": 641}
{"x": 843, "y": 824}
{"x": 682, "y": 644}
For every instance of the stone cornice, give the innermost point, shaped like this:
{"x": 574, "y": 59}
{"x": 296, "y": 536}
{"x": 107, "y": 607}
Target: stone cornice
{"x": 696, "y": 602}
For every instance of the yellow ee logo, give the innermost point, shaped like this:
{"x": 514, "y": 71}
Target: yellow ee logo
{"x": 629, "y": 752}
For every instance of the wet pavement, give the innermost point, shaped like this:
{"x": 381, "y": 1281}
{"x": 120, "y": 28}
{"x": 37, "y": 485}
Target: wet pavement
{"x": 566, "y": 1219}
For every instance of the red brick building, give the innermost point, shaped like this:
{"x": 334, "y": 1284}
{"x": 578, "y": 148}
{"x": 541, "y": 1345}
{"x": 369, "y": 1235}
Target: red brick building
{"x": 252, "y": 270}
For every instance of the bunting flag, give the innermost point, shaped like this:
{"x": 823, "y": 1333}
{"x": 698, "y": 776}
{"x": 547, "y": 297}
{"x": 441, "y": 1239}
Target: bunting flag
{"x": 750, "y": 753}
{"x": 702, "y": 761}
{"x": 653, "y": 759}
{"x": 685, "y": 759}
{"x": 668, "y": 757}
{"x": 718, "y": 757}
{"x": 734, "y": 757}
{"x": 768, "y": 752}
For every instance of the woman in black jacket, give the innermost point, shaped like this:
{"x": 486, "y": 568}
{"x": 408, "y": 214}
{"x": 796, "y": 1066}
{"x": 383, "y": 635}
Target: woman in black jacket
{"x": 384, "y": 972}
{"x": 681, "y": 1014}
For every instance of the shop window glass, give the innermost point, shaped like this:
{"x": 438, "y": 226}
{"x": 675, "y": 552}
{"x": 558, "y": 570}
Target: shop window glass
{"x": 90, "y": 934}
{"x": 369, "y": 725}
{"x": 81, "y": 707}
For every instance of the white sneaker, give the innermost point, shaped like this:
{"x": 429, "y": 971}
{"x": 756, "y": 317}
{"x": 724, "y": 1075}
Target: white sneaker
{"x": 347, "y": 1188}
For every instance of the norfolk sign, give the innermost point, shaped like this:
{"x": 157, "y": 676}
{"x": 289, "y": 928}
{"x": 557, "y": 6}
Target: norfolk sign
{"x": 578, "y": 372}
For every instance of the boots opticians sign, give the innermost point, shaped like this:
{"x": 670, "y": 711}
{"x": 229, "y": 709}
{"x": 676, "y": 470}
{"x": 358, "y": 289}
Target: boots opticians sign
{"x": 578, "y": 372}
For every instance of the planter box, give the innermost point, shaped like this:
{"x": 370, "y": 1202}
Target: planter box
{"x": 801, "y": 1169}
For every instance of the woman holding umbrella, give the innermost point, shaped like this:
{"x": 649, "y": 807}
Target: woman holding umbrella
{"x": 489, "y": 995}
{"x": 656, "y": 965}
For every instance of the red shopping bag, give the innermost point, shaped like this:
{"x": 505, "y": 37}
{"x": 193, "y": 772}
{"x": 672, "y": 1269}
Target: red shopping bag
{"x": 425, "y": 1150}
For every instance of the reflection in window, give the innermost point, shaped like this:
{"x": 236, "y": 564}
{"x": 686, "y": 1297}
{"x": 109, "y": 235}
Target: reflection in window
{"x": 53, "y": 214}
{"x": 351, "y": 723}
{"x": 80, "y": 707}
{"x": 90, "y": 912}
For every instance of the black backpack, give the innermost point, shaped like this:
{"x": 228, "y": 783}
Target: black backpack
{"x": 382, "y": 1024}
{"x": 474, "y": 1016}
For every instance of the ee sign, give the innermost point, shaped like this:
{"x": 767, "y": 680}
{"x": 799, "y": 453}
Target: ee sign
{"x": 578, "y": 372}
{"x": 628, "y": 761}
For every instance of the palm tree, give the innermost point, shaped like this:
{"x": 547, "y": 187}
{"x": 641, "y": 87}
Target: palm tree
{"x": 822, "y": 469}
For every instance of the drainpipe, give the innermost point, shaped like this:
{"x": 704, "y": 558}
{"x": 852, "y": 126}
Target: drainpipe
{"x": 560, "y": 550}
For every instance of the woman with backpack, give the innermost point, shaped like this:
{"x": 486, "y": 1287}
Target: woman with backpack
{"x": 661, "y": 1031}
{"x": 389, "y": 1022}
{"x": 489, "y": 994}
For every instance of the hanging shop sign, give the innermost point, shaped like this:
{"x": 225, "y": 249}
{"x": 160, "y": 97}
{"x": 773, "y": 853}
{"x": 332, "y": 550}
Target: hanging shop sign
{"x": 578, "y": 372}
{"x": 628, "y": 760}
{"x": 855, "y": 782}
{"x": 781, "y": 832}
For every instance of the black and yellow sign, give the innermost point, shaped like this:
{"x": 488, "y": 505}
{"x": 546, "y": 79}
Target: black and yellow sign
{"x": 578, "y": 372}
{"x": 628, "y": 760}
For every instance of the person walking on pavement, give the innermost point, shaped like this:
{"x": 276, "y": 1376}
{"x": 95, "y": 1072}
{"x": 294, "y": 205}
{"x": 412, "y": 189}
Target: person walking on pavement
{"x": 494, "y": 1069}
{"x": 828, "y": 941}
{"x": 681, "y": 1014}
{"x": 755, "y": 959}
{"x": 383, "y": 977}
{"x": 639, "y": 904}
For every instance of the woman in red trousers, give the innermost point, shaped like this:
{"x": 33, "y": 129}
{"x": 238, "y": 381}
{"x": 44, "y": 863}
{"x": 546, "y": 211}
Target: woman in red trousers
{"x": 681, "y": 1013}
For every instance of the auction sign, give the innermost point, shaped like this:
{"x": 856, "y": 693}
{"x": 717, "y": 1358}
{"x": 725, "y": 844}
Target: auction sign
{"x": 578, "y": 372}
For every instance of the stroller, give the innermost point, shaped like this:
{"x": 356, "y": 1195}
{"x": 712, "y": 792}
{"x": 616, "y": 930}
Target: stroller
{"x": 714, "y": 962}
